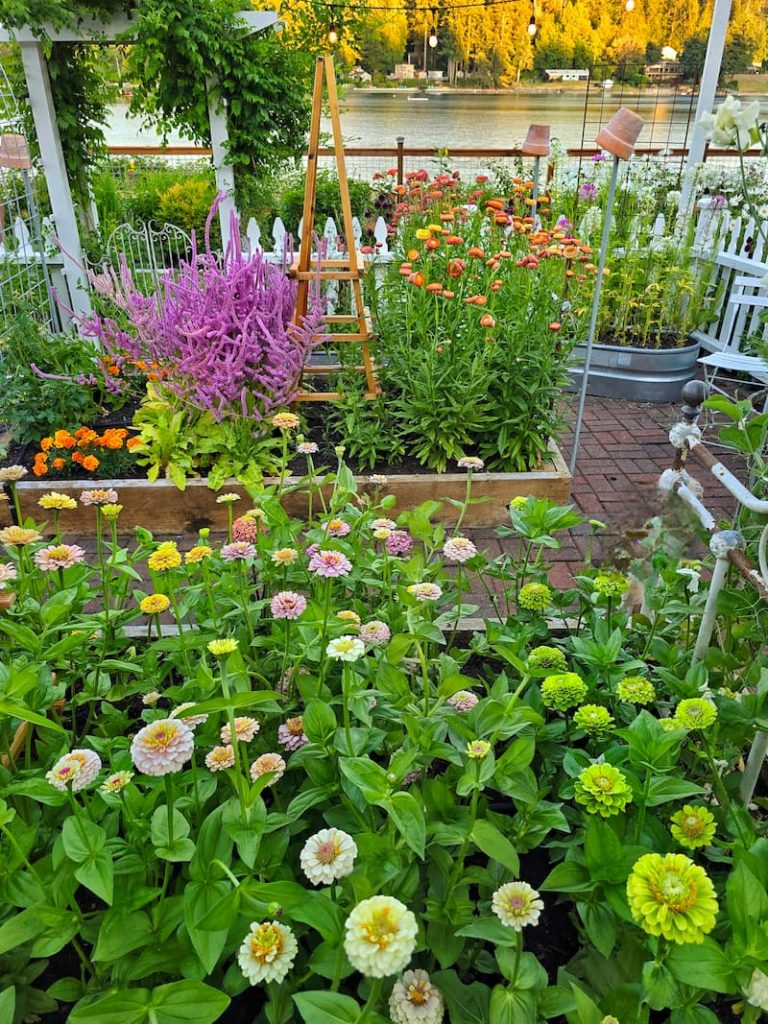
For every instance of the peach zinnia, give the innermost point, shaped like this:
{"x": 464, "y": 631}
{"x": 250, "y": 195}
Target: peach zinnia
{"x": 162, "y": 747}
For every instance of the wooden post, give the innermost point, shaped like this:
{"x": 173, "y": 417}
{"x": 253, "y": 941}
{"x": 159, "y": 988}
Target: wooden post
{"x": 59, "y": 191}
{"x": 400, "y": 159}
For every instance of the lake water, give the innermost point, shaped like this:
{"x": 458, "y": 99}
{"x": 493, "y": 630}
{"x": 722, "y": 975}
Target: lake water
{"x": 477, "y": 120}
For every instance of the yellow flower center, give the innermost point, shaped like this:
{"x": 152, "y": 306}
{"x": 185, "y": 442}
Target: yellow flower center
{"x": 162, "y": 736}
{"x": 295, "y": 726}
{"x": 693, "y": 826}
{"x": 674, "y": 892}
{"x": 266, "y": 943}
{"x": 381, "y": 929}
{"x": 328, "y": 851}
{"x": 603, "y": 782}
{"x": 57, "y": 553}
{"x": 417, "y": 994}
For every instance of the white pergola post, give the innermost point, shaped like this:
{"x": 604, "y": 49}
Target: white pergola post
{"x": 222, "y": 169}
{"x": 707, "y": 89}
{"x": 52, "y": 155}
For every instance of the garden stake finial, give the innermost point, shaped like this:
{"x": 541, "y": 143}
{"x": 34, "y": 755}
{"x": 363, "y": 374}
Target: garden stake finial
{"x": 618, "y": 137}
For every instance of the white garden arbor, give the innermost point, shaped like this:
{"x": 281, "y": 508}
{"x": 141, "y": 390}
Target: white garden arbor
{"x": 41, "y": 102}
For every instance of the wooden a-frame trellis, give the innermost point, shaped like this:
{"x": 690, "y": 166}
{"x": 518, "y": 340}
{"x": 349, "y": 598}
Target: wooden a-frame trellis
{"x": 349, "y": 267}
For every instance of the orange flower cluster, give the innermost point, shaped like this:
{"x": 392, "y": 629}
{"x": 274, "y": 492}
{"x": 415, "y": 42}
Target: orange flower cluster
{"x": 79, "y": 449}
{"x": 117, "y": 367}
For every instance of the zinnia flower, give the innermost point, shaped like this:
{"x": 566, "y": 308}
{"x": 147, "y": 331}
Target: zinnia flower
{"x": 154, "y": 604}
{"x": 398, "y": 542}
{"x": 534, "y": 597}
{"x": 383, "y": 524}
{"x": 221, "y": 648}
{"x": 268, "y": 763}
{"x": 287, "y": 605}
{"x": 18, "y": 536}
{"x": 380, "y": 936}
{"x": 285, "y": 421}
{"x": 99, "y": 496}
{"x": 546, "y": 659}
{"x": 756, "y": 992}
{"x": 150, "y": 699}
{"x": 695, "y": 713}
{"x": 478, "y": 749}
{"x": 375, "y": 632}
{"x": 693, "y": 826}
{"x": 56, "y": 500}
{"x": 425, "y": 591}
{"x": 517, "y": 905}
{"x": 191, "y": 720}
{"x": 77, "y": 769}
{"x": 562, "y": 691}
{"x": 165, "y": 557}
{"x": 327, "y": 856}
{"x": 238, "y": 551}
{"x": 612, "y": 585}
{"x": 378, "y": 480}
{"x": 227, "y": 499}
{"x": 602, "y": 789}
{"x": 347, "y": 615}
{"x": 12, "y": 474}
{"x": 285, "y": 556}
{"x": 196, "y": 554}
{"x": 245, "y": 528}
{"x": 336, "y": 528}
{"x": 58, "y": 556}
{"x": 245, "y": 729}
{"x": 459, "y": 549}
{"x": 470, "y": 462}
{"x": 307, "y": 448}
{"x": 291, "y": 734}
{"x": 162, "y": 747}
{"x": 111, "y": 511}
{"x": 116, "y": 782}
{"x": 415, "y": 1000}
{"x": 220, "y": 758}
{"x": 671, "y": 896}
{"x": 593, "y": 718}
{"x": 345, "y": 648}
{"x": 636, "y": 690}
{"x": 267, "y": 952}
{"x": 330, "y": 564}
{"x": 7, "y": 574}
{"x": 463, "y": 700}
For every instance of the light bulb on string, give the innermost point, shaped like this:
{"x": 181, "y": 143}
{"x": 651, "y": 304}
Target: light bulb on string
{"x": 629, "y": 5}
{"x": 333, "y": 34}
{"x": 532, "y": 27}
{"x": 433, "y": 39}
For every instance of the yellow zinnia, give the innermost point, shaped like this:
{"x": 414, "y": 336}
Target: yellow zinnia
{"x": 154, "y": 604}
{"x": 671, "y": 896}
{"x": 165, "y": 557}
{"x": 56, "y": 500}
{"x": 197, "y": 554}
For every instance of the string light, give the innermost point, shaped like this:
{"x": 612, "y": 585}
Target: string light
{"x": 333, "y": 33}
{"x": 532, "y": 26}
{"x": 629, "y": 5}
{"x": 433, "y": 33}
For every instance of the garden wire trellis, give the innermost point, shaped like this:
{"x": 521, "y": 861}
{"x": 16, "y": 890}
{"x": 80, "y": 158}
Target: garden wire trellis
{"x": 24, "y": 274}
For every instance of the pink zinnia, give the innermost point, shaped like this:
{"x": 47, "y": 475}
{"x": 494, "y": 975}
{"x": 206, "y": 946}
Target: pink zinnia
{"x": 291, "y": 734}
{"x": 399, "y": 542}
{"x": 59, "y": 556}
{"x": 459, "y": 549}
{"x": 311, "y": 550}
{"x": 287, "y": 605}
{"x": 7, "y": 574}
{"x": 237, "y": 551}
{"x": 463, "y": 700}
{"x": 330, "y": 563}
{"x": 245, "y": 729}
{"x": 337, "y": 528}
{"x": 375, "y": 632}
{"x": 162, "y": 747}
{"x": 268, "y": 763}
{"x": 220, "y": 758}
{"x": 245, "y": 528}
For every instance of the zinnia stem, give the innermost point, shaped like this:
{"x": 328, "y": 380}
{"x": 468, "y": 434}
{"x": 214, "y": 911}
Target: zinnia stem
{"x": 518, "y": 954}
{"x": 169, "y": 808}
{"x": 239, "y": 776}
{"x": 345, "y": 681}
{"x": 465, "y": 506}
{"x": 372, "y": 1001}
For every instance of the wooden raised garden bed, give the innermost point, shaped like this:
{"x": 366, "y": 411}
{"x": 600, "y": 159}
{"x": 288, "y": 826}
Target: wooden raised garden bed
{"x": 161, "y": 507}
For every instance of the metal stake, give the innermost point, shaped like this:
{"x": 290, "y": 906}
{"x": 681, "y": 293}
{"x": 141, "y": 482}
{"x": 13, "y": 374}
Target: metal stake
{"x": 595, "y": 309}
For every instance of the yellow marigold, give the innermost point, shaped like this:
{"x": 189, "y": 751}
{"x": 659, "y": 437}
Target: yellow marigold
{"x": 165, "y": 557}
{"x": 154, "y": 604}
{"x": 197, "y": 554}
{"x": 56, "y": 500}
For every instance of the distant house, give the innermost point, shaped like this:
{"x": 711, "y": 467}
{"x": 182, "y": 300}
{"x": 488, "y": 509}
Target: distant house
{"x": 665, "y": 69}
{"x": 566, "y": 74}
{"x": 404, "y": 71}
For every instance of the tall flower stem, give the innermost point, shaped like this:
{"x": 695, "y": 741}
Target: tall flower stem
{"x": 16, "y": 503}
{"x": 286, "y": 653}
{"x": 722, "y": 793}
{"x": 239, "y": 773}
{"x": 323, "y": 634}
{"x": 345, "y": 687}
{"x": 641, "y": 813}
{"x": 465, "y": 506}
{"x": 169, "y": 808}
{"x": 244, "y": 599}
{"x": 516, "y": 964}
{"x": 180, "y": 626}
{"x": 372, "y": 1001}
{"x": 458, "y": 865}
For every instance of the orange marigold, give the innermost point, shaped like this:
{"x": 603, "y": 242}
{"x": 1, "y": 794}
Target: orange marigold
{"x": 46, "y": 444}
{"x": 133, "y": 442}
{"x": 39, "y": 469}
{"x": 91, "y": 463}
{"x": 58, "y": 464}
{"x": 77, "y": 457}
{"x": 63, "y": 439}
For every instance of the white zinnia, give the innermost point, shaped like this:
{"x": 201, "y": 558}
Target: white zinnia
{"x": 756, "y": 991}
{"x": 267, "y": 952}
{"x": 346, "y": 648}
{"x": 517, "y": 905}
{"x": 380, "y": 936}
{"x": 77, "y": 769}
{"x": 415, "y": 999}
{"x": 327, "y": 855}
{"x": 459, "y": 549}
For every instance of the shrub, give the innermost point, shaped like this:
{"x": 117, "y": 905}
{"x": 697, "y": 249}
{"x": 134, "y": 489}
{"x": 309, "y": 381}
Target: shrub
{"x": 187, "y": 205}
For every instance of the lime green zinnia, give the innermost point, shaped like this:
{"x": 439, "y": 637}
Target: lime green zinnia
{"x": 563, "y": 691}
{"x": 693, "y": 826}
{"x": 610, "y": 585}
{"x": 603, "y": 790}
{"x": 673, "y": 897}
{"x": 220, "y": 648}
{"x": 636, "y": 690}
{"x": 534, "y": 597}
{"x": 546, "y": 659}
{"x": 695, "y": 713}
{"x": 593, "y": 718}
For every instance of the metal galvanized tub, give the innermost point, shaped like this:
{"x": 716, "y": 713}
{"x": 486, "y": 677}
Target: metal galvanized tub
{"x": 637, "y": 374}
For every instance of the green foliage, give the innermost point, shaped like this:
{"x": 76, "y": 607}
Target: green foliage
{"x": 328, "y": 201}
{"x": 187, "y": 204}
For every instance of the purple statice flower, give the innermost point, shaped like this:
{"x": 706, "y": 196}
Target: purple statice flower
{"x": 588, "y": 191}
{"x": 597, "y": 158}
{"x": 563, "y": 224}
{"x": 221, "y": 328}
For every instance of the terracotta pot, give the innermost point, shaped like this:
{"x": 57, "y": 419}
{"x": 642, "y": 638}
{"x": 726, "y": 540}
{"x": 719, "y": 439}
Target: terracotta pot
{"x": 6, "y": 600}
{"x": 621, "y": 133}
{"x": 536, "y": 141}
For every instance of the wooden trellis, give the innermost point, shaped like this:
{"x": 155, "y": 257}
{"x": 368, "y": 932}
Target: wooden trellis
{"x": 347, "y": 267}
